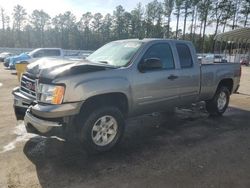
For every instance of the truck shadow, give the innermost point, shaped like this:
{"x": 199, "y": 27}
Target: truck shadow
{"x": 62, "y": 165}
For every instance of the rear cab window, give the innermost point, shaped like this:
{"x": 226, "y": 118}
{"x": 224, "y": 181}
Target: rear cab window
{"x": 185, "y": 56}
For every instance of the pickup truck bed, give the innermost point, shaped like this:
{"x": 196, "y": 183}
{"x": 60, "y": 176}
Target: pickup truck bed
{"x": 212, "y": 74}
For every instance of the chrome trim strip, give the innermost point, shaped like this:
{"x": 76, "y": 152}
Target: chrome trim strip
{"x": 28, "y": 89}
{"x": 25, "y": 93}
{"x": 25, "y": 77}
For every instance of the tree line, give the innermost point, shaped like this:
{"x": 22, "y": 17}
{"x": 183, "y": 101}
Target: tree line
{"x": 192, "y": 19}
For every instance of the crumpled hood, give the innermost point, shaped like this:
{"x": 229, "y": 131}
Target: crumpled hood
{"x": 51, "y": 68}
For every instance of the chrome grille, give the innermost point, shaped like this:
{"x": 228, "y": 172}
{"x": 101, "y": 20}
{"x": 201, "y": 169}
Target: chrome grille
{"x": 28, "y": 86}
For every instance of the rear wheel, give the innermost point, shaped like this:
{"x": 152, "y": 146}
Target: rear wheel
{"x": 218, "y": 105}
{"x": 102, "y": 129}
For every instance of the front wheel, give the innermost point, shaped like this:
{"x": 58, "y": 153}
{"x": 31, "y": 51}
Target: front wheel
{"x": 218, "y": 105}
{"x": 102, "y": 129}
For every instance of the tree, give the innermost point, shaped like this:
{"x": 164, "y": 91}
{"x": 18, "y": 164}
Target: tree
{"x": 19, "y": 16}
{"x": 204, "y": 10}
{"x": 3, "y": 18}
{"x": 84, "y": 27}
{"x": 97, "y": 22}
{"x": 119, "y": 21}
{"x": 236, "y": 4}
{"x": 107, "y": 28}
{"x": 168, "y": 9}
{"x": 186, "y": 12}
{"x": 137, "y": 22}
{"x": 194, "y": 4}
{"x": 154, "y": 16}
{"x": 96, "y": 25}
{"x": 63, "y": 23}
{"x": 245, "y": 11}
{"x": 5, "y": 24}
{"x": 39, "y": 20}
{"x": 228, "y": 13}
{"x": 127, "y": 25}
{"x": 178, "y": 4}
{"x": 152, "y": 20}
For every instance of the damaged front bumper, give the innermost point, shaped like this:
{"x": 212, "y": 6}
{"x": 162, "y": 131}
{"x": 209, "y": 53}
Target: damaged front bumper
{"x": 51, "y": 120}
{"x": 40, "y": 125}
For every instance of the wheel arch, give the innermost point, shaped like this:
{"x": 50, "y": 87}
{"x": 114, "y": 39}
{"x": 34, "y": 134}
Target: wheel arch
{"x": 226, "y": 82}
{"x": 117, "y": 99}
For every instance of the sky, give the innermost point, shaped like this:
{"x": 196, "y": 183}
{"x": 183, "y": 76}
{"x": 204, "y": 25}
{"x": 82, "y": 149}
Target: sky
{"x": 78, "y": 7}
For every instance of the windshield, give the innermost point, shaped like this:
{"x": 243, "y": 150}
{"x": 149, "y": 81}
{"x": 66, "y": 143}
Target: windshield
{"x": 117, "y": 53}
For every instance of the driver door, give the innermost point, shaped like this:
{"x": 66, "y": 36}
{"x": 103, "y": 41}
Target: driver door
{"x": 157, "y": 90}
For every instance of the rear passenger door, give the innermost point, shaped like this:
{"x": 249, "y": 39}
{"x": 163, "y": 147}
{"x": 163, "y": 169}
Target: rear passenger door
{"x": 189, "y": 73}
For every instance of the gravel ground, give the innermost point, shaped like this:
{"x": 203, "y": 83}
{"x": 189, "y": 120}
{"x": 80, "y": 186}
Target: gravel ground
{"x": 186, "y": 150}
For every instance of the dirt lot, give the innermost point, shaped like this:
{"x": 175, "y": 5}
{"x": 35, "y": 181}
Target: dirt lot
{"x": 187, "y": 150}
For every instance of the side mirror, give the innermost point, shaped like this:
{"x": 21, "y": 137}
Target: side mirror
{"x": 150, "y": 64}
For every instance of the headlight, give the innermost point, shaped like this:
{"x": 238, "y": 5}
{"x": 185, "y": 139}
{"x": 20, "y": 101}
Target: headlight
{"x": 52, "y": 94}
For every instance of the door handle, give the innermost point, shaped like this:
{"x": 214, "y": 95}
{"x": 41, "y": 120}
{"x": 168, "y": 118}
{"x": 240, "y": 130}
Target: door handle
{"x": 172, "y": 77}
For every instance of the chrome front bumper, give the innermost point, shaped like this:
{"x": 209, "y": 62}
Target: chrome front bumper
{"x": 40, "y": 125}
{"x": 21, "y": 103}
{"x": 21, "y": 100}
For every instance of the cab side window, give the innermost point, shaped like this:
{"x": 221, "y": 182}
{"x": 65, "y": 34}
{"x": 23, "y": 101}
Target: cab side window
{"x": 162, "y": 52}
{"x": 185, "y": 57}
{"x": 38, "y": 54}
{"x": 52, "y": 53}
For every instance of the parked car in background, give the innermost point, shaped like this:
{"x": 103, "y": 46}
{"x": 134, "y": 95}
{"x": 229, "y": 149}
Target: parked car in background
{"x": 33, "y": 55}
{"x": 244, "y": 61}
{"x": 214, "y": 58}
{"x": 88, "y": 101}
{"x": 76, "y": 55}
{"x": 4, "y": 55}
{"x": 84, "y": 55}
{"x": 21, "y": 57}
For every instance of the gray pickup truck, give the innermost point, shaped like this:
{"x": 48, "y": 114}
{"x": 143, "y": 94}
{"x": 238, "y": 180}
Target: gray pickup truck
{"x": 88, "y": 101}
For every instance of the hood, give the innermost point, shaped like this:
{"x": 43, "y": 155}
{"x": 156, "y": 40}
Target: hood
{"x": 54, "y": 68}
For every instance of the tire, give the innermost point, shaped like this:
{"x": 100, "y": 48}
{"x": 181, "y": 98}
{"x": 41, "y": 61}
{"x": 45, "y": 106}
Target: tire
{"x": 219, "y": 103}
{"x": 95, "y": 136}
{"x": 6, "y": 64}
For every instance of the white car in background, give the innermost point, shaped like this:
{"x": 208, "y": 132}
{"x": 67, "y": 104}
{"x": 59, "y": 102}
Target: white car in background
{"x": 214, "y": 58}
{"x": 4, "y": 55}
{"x": 34, "y": 55}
